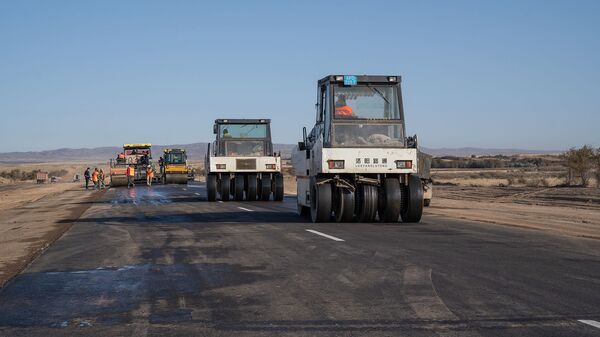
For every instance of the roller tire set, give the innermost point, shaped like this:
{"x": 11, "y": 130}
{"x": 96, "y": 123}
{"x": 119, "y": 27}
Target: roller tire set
{"x": 240, "y": 187}
{"x": 390, "y": 202}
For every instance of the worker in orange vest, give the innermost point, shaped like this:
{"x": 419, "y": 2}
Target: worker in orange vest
{"x": 341, "y": 109}
{"x": 130, "y": 176}
{"x": 149, "y": 175}
{"x": 95, "y": 178}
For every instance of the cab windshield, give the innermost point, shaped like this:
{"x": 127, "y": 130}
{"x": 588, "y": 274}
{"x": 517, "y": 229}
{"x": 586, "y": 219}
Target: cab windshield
{"x": 175, "y": 158}
{"x": 367, "y": 116}
{"x": 366, "y": 102}
{"x": 367, "y": 135}
{"x": 243, "y": 131}
{"x": 246, "y": 148}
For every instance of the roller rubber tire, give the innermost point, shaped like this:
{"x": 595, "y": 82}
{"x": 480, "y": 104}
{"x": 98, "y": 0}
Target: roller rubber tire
{"x": 265, "y": 188}
{"x": 390, "y": 200}
{"x": 414, "y": 202}
{"x": 302, "y": 210}
{"x": 320, "y": 201}
{"x": 366, "y": 206}
{"x": 225, "y": 187}
{"x": 251, "y": 188}
{"x": 239, "y": 187}
{"x": 211, "y": 187}
{"x": 344, "y": 208}
{"x": 278, "y": 190}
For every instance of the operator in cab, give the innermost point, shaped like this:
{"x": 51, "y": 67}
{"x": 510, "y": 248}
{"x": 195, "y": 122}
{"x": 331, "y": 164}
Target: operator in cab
{"x": 226, "y": 134}
{"x": 342, "y": 109}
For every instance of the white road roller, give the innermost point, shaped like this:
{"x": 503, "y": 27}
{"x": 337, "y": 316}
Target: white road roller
{"x": 241, "y": 162}
{"x": 357, "y": 164}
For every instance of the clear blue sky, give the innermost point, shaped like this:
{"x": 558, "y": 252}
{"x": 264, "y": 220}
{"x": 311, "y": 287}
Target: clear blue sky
{"x": 475, "y": 73}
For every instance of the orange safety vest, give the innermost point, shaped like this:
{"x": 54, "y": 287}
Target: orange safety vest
{"x": 150, "y": 173}
{"x": 130, "y": 171}
{"x": 343, "y": 111}
{"x": 95, "y": 176}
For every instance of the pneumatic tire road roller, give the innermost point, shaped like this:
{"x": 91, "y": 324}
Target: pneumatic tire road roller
{"x": 241, "y": 164}
{"x": 357, "y": 164}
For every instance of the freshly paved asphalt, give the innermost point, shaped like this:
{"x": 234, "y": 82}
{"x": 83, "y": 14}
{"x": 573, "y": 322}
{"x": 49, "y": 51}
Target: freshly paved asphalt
{"x": 163, "y": 261}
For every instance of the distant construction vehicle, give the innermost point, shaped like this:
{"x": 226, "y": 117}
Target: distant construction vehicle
{"x": 138, "y": 155}
{"x": 173, "y": 167}
{"x": 241, "y": 161}
{"x": 357, "y": 164}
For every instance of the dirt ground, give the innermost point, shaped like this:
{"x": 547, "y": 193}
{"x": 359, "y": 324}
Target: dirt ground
{"x": 32, "y": 215}
{"x": 35, "y": 219}
{"x": 571, "y": 211}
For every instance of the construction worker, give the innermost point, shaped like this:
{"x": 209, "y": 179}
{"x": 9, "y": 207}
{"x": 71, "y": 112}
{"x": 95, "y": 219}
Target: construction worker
{"x": 130, "y": 176}
{"x": 95, "y": 178}
{"x": 86, "y": 175}
{"x": 149, "y": 175}
{"x": 226, "y": 133}
{"x": 101, "y": 179}
{"x": 121, "y": 158}
{"x": 342, "y": 109}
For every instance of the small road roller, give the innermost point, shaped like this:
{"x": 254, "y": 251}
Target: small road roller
{"x": 241, "y": 163}
{"x": 173, "y": 167}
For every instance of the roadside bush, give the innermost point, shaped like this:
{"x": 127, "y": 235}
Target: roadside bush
{"x": 58, "y": 173}
{"x": 579, "y": 163}
{"x": 16, "y": 174}
{"x": 597, "y": 164}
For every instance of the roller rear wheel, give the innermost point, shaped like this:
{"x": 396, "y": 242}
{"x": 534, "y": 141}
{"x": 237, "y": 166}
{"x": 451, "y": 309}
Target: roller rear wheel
{"x": 413, "y": 209}
{"x": 366, "y": 206}
{"x": 265, "y": 188}
{"x": 211, "y": 187}
{"x": 344, "y": 208}
{"x": 278, "y": 190}
{"x": 390, "y": 200}
{"x": 239, "y": 187}
{"x": 225, "y": 186}
{"x": 320, "y": 201}
{"x": 251, "y": 186}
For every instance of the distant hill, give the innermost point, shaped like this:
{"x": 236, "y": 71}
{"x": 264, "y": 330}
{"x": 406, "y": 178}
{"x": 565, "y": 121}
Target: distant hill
{"x": 196, "y": 151}
{"x": 469, "y": 151}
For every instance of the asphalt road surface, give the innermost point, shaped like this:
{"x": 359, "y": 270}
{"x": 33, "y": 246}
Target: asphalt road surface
{"x": 163, "y": 261}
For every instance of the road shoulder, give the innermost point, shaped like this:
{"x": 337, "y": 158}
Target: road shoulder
{"x": 26, "y": 231}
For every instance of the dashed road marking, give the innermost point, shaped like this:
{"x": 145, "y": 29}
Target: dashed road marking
{"x": 324, "y": 235}
{"x": 185, "y": 189}
{"x": 246, "y": 209}
{"x": 221, "y": 201}
{"x": 195, "y": 186}
{"x": 197, "y": 193}
{"x": 593, "y": 323}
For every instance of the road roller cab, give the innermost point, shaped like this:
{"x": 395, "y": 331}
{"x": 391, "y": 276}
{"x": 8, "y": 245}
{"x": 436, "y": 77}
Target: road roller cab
{"x": 174, "y": 168}
{"x": 357, "y": 162}
{"x": 241, "y": 162}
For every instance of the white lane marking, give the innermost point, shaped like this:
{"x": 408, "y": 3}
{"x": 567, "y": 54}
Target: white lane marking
{"x": 197, "y": 193}
{"x": 185, "y": 189}
{"x": 195, "y": 186}
{"x": 221, "y": 201}
{"x": 246, "y": 209}
{"x": 324, "y": 235}
{"x": 595, "y": 324}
